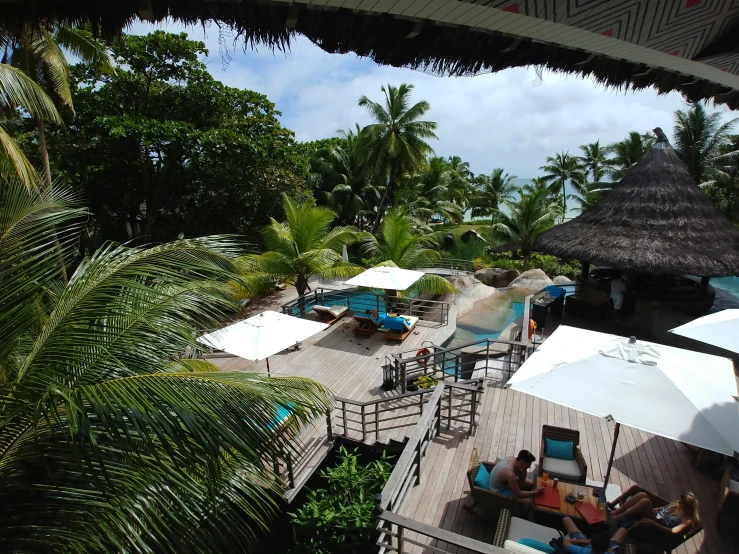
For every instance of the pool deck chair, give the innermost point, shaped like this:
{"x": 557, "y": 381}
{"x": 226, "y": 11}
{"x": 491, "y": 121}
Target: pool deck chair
{"x": 399, "y": 327}
{"x": 330, "y": 315}
{"x": 368, "y": 323}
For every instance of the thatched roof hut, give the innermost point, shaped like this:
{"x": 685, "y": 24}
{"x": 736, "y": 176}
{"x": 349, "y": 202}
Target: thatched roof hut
{"x": 656, "y": 220}
{"x": 598, "y": 39}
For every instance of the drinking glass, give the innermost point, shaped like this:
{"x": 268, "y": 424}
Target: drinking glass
{"x": 544, "y": 477}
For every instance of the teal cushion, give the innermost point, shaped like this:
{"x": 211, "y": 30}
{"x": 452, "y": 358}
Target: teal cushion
{"x": 538, "y": 545}
{"x": 482, "y": 479}
{"x": 560, "y": 449}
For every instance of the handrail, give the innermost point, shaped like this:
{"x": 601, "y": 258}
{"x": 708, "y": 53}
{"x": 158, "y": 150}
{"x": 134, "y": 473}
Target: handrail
{"x": 442, "y": 535}
{"x": 463, "y": 386}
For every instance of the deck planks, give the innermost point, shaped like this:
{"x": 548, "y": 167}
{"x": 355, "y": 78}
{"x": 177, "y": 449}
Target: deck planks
{"x": 660, "y": 464}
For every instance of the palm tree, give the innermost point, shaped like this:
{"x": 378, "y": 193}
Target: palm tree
{"x": 37, "y": 51}
{"x": 629, "y": 151}
{"x": 699, "y": 138}
{"x": 525, "y": 219}
{"x": 18, "y": 90}
{"x": 398, "y": 244}
{"x": 433, "y": 191}
{"x": 110, "y": 440}
{"x": 491, "y": 191}
{"x": 560, "y": 170}
{"x": 595, "y": 160}
{"x": 302, "y": 246}
{"x": 396, "y": 142}
{"x": 590, "y": 194}
{"x": 340, "y": 176}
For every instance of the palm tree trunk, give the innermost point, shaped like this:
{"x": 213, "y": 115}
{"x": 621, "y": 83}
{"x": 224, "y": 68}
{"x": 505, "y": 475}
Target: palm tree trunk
{"x": 41, "y": 128}
{"x": 391, "y": 180}
{"x": 564, "y": 201}
{"x": 301, "y": 285}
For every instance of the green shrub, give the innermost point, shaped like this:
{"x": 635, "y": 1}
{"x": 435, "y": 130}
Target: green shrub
{"x": 338, "y": 519}
{"x": 551, "y": 265}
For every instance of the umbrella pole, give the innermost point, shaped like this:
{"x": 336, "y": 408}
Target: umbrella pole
{"x": 613, "y": 453}
{"x": 268, "y": 368}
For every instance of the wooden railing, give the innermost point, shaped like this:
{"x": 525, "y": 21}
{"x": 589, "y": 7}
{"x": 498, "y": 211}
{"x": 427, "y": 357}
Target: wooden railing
{"x": 374, "y": 419}
{"x": 364, "y": 302}
{"x": 407, "y": 474}
{"x": 459, "y": 363}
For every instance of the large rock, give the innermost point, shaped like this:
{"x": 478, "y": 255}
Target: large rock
{"x": 496, "y": 276}
{"x": 505, "y": 278}
{"x": 469, "y": 291}
{"x": 561, "y": 280}
{"x": 471, "y": 235}
{"x": 448, "y": 242}
{"x": 533, "y": 279}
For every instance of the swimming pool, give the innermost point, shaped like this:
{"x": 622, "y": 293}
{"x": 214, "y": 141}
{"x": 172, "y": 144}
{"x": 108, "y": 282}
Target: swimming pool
{"x": 357, "y": 301}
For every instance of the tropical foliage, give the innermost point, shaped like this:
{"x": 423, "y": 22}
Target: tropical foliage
{"x": 337, "y": 518}
{"x": 110, "y": 440}
{"x": 490, "y": 191}
{"x": 561, "y": 170}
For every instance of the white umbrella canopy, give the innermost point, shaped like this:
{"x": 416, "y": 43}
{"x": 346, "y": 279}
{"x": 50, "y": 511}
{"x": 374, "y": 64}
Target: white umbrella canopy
{"x": 386, "y": 277}
{"x": 720, "y": 329}
{"x": 262, "y": 335}
{"x": 679, "y": 394}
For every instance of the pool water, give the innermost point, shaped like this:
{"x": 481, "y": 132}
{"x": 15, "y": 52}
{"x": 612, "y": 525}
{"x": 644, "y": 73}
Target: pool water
{"x": 487, "y": 319}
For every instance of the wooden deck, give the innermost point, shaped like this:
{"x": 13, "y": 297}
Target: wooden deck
{"x": 511, "y": 421}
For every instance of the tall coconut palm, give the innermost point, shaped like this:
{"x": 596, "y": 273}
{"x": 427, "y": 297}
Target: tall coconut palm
{"x": 699, "y": 138}
{"x": 562, "y": 169}
{"x": 38, "y": 51}
{"x": 19, "y": 91}
{"x": 433, "y": 191}
{"x": 399, "y": 244}
{"x": 629, "y": 151}
{"x": 340, "y": 176}
{"x": 302, "y": 246}
{"x": 110, "y": 441}
{"x": 525, "y": 219}
{"x": 491, "y": 191}
{"x": 396, "y": 142}
{"x": 595, "y": 160}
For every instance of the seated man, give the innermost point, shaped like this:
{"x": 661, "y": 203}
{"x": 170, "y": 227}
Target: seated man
{"x": 602, "y": 543}
{"x": 508, "y": 477}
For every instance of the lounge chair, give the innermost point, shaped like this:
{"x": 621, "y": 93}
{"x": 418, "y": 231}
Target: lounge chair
{"x": 399, "y": 327}
{"x": 330, "y": 315}
{"x": 369, "y": 322}
{"x": 556, "y": 464}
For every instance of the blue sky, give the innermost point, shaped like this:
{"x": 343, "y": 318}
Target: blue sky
{"x": 503, "y": 119}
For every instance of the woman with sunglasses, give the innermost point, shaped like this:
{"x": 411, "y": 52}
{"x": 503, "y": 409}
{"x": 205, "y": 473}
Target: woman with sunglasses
{"x": 635, "y": 505}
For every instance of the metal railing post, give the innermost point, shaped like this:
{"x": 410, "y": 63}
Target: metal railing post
{"x": 400, "y": 539}
{"x": 343, "y": 411}
{"x": 449, "y": 415}
{"x": 364, "y": 429}
{"x": 400, "y": 372}
{"x": 377, "y": 422}
{"x": 329, "y": 430}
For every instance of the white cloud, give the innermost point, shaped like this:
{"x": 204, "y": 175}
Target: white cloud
{"x": 493, "y": 120}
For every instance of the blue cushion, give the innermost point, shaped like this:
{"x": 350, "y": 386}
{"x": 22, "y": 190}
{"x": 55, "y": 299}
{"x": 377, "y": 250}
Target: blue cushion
{"x": 482, "y": 479}
{"x": 555, "y": 292}
{"x": 537, "y": 545}
{"x": 560, "y": 449}
{"x": 394, "y": 323}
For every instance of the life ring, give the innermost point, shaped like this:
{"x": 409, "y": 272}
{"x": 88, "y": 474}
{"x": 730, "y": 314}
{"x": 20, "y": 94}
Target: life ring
{"x": 423, "y": 352}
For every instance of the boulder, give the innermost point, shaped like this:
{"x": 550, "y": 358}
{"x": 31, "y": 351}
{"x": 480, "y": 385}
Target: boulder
{"x": 533, "y": 279}
{"x": 469, "y": 291}
{"x": 505, "y": 278}
{"x": 448, "y": 242}
{"x": 487, "y": 275}
{"x": 561, "y": 280}
{"x": 467, "y": 236}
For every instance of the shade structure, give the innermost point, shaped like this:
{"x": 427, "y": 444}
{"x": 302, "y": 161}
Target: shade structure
{"x": 262, "y": 335}
{"x": 386, "y": 277}
{"x": 655, "y": 220}
{"x": 720, "y": 329}
{"x": 678, "y": 394}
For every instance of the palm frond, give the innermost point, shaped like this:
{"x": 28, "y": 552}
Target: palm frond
{"x": 13, "y": 162}
{"x": 19, "y": 90}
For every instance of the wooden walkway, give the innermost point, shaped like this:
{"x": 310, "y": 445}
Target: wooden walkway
{"x": 511, "y": 421}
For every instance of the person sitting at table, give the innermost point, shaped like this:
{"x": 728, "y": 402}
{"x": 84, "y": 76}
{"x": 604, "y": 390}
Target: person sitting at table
{"x": 508, "y": 477}
{"x": 635, "y": 505}
{"x": 576, "y": 542}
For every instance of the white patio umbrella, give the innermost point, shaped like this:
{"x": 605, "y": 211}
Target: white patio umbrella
{"x": 720, "y": 329}
{"x": 678, "y": 394}
{"x": 261, "y": 336}
{"x": 386, "y": 277}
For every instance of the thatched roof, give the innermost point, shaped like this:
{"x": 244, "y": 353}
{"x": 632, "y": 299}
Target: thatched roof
{"x": 655, "y": 220}
{"x": 617, "y": 47}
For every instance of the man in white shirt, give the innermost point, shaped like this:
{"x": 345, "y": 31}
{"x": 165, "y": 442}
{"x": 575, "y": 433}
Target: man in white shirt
{"x": 618, "y": 288}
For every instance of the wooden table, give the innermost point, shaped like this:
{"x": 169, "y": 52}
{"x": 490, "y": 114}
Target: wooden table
{"x": 565, "y": 508}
